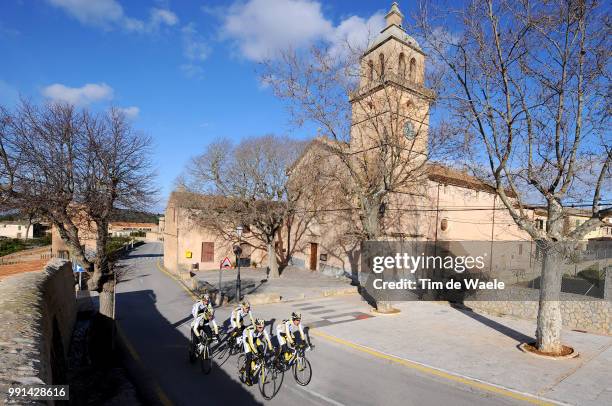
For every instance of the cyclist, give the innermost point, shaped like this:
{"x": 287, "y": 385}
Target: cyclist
{"x": 201, "y": 305}
{"x": 238, "y": 315}
{"x": 256, "y": 340}
{"x": 204, "y": 324}
{"x": 286, "y": 333}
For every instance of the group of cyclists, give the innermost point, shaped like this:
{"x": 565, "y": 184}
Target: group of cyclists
{"x": 253, "y": 337}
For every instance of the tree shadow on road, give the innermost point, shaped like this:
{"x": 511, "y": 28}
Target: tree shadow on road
{"x": 162, "y": 358}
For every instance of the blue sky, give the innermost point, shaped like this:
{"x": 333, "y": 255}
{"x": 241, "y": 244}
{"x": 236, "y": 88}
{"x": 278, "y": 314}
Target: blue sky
{"x": 183, "y": 70}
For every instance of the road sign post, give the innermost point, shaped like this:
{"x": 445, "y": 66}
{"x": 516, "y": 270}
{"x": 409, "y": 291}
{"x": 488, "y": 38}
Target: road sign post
{"x": 79, "y": 269}
{"x": 237, "y": 252}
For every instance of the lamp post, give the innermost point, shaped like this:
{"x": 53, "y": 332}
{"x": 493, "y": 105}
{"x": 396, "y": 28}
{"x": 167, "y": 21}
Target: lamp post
{"x": 238, "y": 252}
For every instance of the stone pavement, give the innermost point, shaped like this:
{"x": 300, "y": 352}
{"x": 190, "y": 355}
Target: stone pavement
{"x": 484, "y": 348}
{"x": 294, "y": 284}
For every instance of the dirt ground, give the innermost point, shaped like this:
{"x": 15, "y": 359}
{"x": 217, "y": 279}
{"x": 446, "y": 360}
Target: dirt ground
{"x": 13, "y": 269}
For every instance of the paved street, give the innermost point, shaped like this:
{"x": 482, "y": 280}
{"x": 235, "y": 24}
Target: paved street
{"x": 153, "y": 310}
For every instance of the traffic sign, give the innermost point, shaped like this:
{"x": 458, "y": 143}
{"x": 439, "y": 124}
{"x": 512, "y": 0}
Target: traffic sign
{"x": 226, "y": 263}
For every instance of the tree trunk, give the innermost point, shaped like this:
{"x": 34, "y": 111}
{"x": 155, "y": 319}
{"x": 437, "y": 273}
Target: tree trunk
{"x": 374, "y": 209}
{"x": 548, "y": 332}
{"x": 70, "y": 235}
{"x": 101, "y": 279}
{"x": 272, "y": 262}
{"x": 371, "y": 217}
{"x": 107, "y": 298}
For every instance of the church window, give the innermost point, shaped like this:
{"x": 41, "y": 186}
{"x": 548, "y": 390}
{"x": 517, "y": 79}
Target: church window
{"x": 402, "y": 65}
{"x": 413, "y": 70}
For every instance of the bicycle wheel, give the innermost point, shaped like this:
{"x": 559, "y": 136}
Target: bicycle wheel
{"x": 206, "y": 360}
{"x": 222, "y": 353}
{"x": 272, "y": 380}
{"x": 241, "y": 368}
{"x": 191, "y": 351}
{"x": 302, "y": 372}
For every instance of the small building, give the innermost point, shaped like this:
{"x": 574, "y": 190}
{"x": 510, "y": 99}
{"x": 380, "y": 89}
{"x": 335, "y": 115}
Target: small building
{"x": 128, "y": 229}
{"x": 189, "y": 244}
{"x": 17, "y": 229}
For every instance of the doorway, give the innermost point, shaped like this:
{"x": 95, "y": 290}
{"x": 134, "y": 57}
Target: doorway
{"x": 313, "y": 255}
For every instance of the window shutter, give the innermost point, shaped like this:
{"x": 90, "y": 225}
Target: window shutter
{"x": 208, "y": 252}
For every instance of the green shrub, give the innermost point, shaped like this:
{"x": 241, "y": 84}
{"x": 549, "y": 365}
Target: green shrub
{"x": 114, "y": 243}
{"x": 11, "y": 245}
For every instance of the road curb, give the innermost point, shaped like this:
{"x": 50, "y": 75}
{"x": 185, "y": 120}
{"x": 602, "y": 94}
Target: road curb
{"x": 442, "y": 373}
{"x": 259, "y": 298}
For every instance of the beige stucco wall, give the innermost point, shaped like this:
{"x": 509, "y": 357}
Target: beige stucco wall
{"x": 15, "y": 230}
{"x": 183, "y": 236}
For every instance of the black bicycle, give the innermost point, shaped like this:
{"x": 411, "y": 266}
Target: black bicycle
{"x": 264, "y": 372}
{"x": 229, "y": 345}
{"x": 295, "y": 359}
{"x": 202, "y": 351}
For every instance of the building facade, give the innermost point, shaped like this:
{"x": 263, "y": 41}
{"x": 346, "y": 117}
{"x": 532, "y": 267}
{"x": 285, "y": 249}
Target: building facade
{"x": 444, "y": 205}
{"x": 188, "y": 244}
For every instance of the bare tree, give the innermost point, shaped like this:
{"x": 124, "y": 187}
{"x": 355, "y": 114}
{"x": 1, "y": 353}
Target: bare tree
{"x": 373, "y": 113}
{"x": 73, "y": 167}
{"x": 530, "y": 80}
{"x": 115, "y": 171}
{"x": 372, "y": 107}
{"x": 40, "y": 149}
{"x": 252, "y": 178}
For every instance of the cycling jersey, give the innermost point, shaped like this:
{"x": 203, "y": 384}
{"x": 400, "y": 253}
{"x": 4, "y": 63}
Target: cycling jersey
{"x": 201, "y": 321}
{"x": 238, "y": 315}
{"x": 251, "y": 338}
{"x": 200, "y": 307}
{"x": 286, "y": 330}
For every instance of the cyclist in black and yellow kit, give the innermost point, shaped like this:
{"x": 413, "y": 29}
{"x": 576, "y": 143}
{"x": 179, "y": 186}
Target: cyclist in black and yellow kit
{"x": 256, "y": 341}
{"x": 289, "y": 333}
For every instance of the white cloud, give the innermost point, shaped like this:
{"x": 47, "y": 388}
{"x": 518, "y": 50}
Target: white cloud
{"x": 192, "y": 70}
{"x": 109, "y": 14}
{"x": 195, "y": 50}
{"x": 355, "y": 33}
{"x": 194, "y": 46}
{"x": 130, "y": 112}
{"x": 80, "y": 96}
{"x": 260, "y": 28}
{"x": 161, "y": 16}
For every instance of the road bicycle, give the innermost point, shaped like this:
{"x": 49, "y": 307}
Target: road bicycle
{"x": 201, "y": 351}
{"x": 263, "y": 371}
{"x": 295, "y": 359}
{"x": 229, "y": 345}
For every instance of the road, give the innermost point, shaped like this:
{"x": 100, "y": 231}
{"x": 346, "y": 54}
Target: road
{"x": 153, "y": 310}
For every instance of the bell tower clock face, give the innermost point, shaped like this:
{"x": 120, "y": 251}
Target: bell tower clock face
{"x": 409, "y": 130}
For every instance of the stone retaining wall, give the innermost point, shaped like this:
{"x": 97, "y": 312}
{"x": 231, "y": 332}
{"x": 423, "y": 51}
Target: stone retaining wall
{"x": 37, "y": 315}
{"x": 578, "y": 312}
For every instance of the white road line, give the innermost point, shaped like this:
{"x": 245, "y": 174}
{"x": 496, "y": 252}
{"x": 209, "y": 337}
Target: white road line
{"x": 317, "y": 395}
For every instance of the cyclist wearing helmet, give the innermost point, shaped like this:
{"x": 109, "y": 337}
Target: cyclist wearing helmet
{"x": 256, "y": 340}
{"x": 201, "y": 305}
{"x": 204, "y": 324}
{"x": 238, "y": 315}
{"x": 286, "y": 332}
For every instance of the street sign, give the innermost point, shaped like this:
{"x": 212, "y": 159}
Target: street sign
{"x": 78, "y": 268}
{"x": 226, "y": 263}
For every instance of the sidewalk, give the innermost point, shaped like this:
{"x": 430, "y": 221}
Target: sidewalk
{"x": 294, "y": 284}
{"x": 485, "y": 348}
